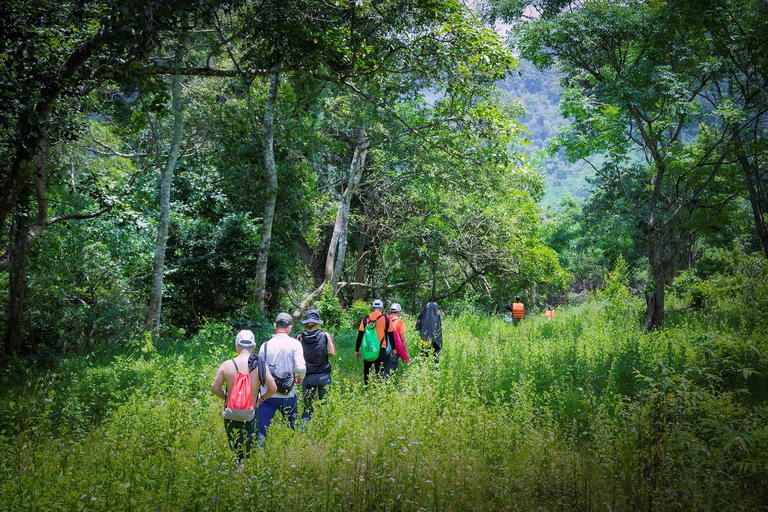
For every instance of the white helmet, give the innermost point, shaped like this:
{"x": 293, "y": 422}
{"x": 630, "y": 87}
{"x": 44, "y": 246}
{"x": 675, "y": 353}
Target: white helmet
{"x": 395, "y": 308}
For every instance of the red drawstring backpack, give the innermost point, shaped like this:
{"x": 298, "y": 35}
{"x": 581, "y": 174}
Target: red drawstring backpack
{"x": 240, "y": 400}
{"x": 401, "y": 351}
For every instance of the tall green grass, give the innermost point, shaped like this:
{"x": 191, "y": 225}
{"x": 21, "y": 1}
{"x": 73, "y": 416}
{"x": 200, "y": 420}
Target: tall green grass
{"x": 585, "y": 412}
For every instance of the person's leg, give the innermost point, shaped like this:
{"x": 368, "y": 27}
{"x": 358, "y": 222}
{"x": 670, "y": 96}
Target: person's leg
{"x": 308, "y": 396}
{"x": 236, "y": 437}
{"x": 366, "y": 370}
{"x": 266, "y": 412}
{"x": 291, "y": 409}
{"x": 390, "y": 364}
{"x": 378, "y": 365}
{"x": 249, "y": 427}
{"x": 324, "y": 386}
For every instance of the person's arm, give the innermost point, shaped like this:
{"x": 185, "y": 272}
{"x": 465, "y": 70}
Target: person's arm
{"x": 299, "y": 365}
{"x": 358, "y": 344}
{"x": 218, "y": 383}
{"x": 391, "y": 338}
{"x": 255, "y": 388}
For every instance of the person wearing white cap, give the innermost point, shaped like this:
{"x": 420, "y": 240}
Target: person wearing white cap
{"x": 384, "y": 332}
{"x": 240, "y": 433}
{"x": 390, "y": 364}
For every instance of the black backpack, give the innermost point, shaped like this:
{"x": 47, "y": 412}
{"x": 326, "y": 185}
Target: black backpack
{"x": 283, "y": 379}
{"x": 256, "y": 361}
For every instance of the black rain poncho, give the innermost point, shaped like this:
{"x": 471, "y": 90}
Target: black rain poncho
{"x": 430, "y": 325}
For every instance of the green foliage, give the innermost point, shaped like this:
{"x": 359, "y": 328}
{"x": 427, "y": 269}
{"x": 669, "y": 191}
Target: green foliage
{"x": 555, "y": 407}
{"x": 618, "y": 279}
{"x": 329, "y": 307}
{"x": 358, "y": 311}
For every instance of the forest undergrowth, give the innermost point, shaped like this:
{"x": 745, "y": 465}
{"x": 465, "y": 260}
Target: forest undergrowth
{"x": 585, "y": 412}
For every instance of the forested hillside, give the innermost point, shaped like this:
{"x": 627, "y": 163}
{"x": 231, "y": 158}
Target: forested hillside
{"x": 540, "y": 92}
{"x": 183, "y": 181}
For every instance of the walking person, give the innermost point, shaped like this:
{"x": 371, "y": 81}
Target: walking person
{"x": 517, "y": 309}
{"x": 430, "y": 327}
{"x": 285, "y": 358}
{"x": 550, "y": 313}
{"x": 318, "y": 347}
{"x": 390, "y": 364}
{"x": 377, "y": 325}
{"x": 240, "y": 386}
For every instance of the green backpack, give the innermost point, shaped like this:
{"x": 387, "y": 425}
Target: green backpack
{"x": 371, "y": 342}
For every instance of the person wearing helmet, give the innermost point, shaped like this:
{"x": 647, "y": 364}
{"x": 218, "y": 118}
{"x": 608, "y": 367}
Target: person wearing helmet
{"x": 390, "y": 364}
{"x": 517, "y": 309}
{"x": 385, "y": 334}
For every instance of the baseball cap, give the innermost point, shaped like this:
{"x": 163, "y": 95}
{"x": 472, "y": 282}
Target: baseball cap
{"x": 377, "y": 304}
{"x": 284, "y": 319}
{"x": 246, "y": 339}
{"x": 395, "y": 308}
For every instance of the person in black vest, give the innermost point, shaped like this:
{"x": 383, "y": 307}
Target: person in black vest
{"x": 318, "y": 348}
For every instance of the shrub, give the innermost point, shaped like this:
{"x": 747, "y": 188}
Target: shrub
{"x": 330, "y": 310}
{"x": 357, "y": 312}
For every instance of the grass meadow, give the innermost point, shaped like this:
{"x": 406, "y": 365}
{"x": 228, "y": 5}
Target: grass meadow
{"x": 585, "y": 412}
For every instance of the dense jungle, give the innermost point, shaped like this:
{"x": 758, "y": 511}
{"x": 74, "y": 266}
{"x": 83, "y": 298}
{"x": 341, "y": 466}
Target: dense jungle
{"x": 177, "y": 173}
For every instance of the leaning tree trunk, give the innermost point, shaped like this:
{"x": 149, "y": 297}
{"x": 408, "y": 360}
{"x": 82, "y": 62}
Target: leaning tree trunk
{"x": 271, "y": 192}
{"x": 337, "y": 249}
{"x": 166, "y": 177}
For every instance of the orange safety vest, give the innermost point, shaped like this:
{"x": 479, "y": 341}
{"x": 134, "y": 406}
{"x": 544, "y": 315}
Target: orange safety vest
{"x": 550, "y": 313}
{"x": 518, "y": 310}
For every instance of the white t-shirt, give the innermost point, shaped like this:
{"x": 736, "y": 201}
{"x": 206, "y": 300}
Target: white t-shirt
{"x": 287, "y": 355}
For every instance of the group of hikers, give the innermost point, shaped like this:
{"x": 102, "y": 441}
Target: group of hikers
{"x": 517, "y": 311}
{"x": 256, "y": 385}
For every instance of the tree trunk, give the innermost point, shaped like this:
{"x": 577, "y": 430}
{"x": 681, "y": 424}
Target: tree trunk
{"x": 360, "y": 272}
{"x": 756, "y": 199}
{"x": 17, "y": 276}
{"x": 271, "y": 192}
{"x": 166, "y": 177}
{"x": 314, "y": 262}
{"x": 337, "y": 247}
{"x": 654, "y": 313}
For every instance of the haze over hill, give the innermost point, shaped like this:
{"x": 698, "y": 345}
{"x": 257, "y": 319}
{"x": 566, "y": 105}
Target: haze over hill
{"x": 540, "y": 93}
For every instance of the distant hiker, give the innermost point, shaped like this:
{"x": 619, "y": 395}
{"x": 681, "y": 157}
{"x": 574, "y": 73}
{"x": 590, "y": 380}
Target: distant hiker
{"x": 550, "y": 313}
{"x": 285, "y": 358}
{"x": 430, "y": 327}
{"x": 375, "y": 332}
{"x": 318, "y": 347}
{"x": 517, "y": 309}
{"x": 242, "y": 396}
{"x": 400, "y": 349}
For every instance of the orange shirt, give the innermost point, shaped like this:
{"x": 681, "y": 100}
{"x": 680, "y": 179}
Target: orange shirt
{"x": 550, "y": 313}
{"x": 518, "y": 310}
{"x": 399, "y": 325}
{"x": 381, "y": 323}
